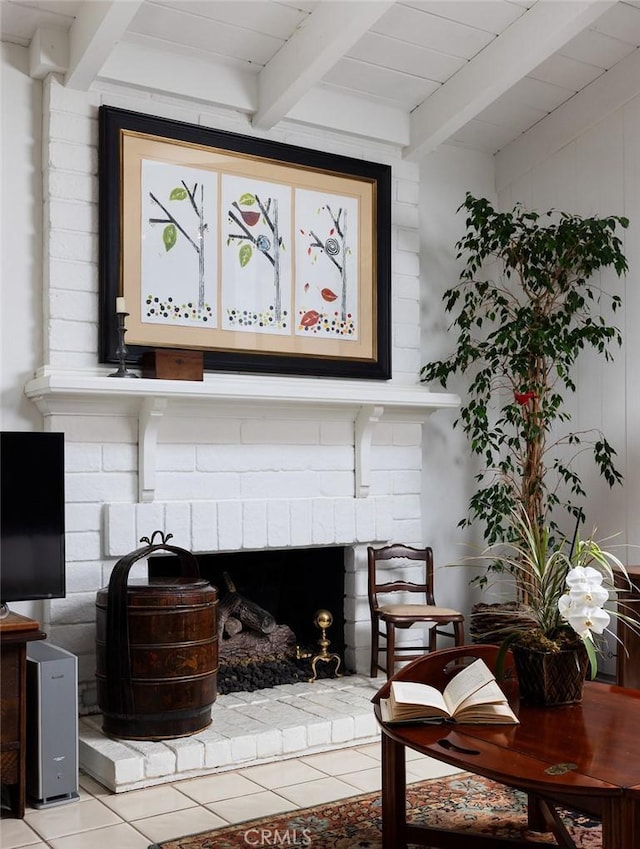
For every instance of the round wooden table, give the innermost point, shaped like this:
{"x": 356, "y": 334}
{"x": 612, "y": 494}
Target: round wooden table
{"x": 583, "y": 756}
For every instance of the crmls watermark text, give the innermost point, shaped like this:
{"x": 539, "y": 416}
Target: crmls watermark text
{"x": 274, "y": 837}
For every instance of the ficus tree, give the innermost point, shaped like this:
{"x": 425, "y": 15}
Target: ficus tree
{"x": 528, "y": 302}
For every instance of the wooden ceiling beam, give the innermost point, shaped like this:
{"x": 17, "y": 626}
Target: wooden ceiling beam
{"x": 229, "y": 88}
{"x": 144, "y": 67}
{"x": 534, "y": 37}
{"x": 314, "y": 48}
{"x": 98, "y": 27}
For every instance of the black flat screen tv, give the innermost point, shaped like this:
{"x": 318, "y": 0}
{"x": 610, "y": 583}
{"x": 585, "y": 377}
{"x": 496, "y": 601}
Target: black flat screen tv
{"x": 32, "y": 525}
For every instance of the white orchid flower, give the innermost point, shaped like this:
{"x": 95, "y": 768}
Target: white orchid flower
{"x": 589, "y": 596}
{"x": 565, "y": 605}
{"x": 588, "y": 620}
{"x": 585, "y": 588}
{"x": 584, "y": 575}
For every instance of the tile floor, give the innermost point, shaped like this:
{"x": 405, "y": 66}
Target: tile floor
{"x": 101, "y": 819}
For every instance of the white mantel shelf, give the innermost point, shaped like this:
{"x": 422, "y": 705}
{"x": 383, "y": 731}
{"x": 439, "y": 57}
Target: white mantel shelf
{"x": 55, "y": 388}
{"x": 83, "y": 393}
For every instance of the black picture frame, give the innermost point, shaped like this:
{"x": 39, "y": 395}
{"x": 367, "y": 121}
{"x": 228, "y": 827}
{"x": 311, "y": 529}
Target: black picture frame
{"x": 119, "y": 230}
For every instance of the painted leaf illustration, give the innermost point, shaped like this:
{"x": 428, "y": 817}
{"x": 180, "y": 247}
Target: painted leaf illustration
{"x": 245, "y": 253}
{"x": 247, "y": 199}
{"x": 328, "y": 295}
{"x": 169, "y": 236}
{"x": 310, "y": 318}
{"x": 178, "y": 193}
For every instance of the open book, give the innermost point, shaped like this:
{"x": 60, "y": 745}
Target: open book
{"x": 473, "y": 695}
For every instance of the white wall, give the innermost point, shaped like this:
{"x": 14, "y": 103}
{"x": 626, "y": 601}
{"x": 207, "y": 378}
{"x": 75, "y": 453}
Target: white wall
{"x": 21, "y": 307}
{"x": 445, "y": 177}
{"x": 21, "y": 246}
{"x": 598, "y": 173}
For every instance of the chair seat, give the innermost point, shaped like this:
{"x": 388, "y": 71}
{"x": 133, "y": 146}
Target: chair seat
{"x": 425, "y": 611}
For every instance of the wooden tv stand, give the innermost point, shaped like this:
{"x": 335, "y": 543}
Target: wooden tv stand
{"x": 15, "y": 632}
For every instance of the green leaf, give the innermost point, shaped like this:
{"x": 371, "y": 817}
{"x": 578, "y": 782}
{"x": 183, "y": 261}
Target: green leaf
{"x": 245, "y": 253}
{"x": 247, "y": 199}
{"x": 169, "y": 236}
{"x": 178, "y": 193}
{"x": 593, "y": 659}
{"x": 502, "y": 654}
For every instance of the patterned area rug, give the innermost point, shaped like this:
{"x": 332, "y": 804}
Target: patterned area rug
{"x": 463, "y": 802}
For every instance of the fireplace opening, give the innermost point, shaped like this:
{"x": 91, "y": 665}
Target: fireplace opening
{"x": 280, "y": 591}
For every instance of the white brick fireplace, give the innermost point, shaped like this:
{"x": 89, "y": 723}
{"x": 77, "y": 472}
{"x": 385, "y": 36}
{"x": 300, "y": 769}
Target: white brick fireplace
{"x": 237, "y": 461}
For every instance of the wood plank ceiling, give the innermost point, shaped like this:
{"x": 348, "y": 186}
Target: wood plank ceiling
{"x": 418, "y": 73}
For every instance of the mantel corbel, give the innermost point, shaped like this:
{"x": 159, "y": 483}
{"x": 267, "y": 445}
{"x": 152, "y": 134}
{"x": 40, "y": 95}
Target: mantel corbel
{"x": 367, "y": 418}
{"x": 151, "y": 412}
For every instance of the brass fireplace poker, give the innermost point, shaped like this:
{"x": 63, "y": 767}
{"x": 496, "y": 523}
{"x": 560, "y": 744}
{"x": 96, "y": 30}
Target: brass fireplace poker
{"x": 323, "y": 619}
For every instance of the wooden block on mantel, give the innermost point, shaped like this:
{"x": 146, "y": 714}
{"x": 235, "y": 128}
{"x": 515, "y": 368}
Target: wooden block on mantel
{"x": 167, "y": 364}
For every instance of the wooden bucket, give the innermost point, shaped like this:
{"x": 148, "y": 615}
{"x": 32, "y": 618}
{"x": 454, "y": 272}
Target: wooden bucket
{"x": 157, "y": 651}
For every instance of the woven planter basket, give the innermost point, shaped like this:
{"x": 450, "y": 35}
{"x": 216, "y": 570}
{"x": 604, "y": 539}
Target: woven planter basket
{"x": 551, "y": 678}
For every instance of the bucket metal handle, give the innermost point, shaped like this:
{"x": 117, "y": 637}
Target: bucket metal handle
{"x": 118, "y": 660}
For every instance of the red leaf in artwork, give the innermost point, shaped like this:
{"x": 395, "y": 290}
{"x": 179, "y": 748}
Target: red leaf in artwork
{"x": 328, "y": 295}
{"x": 310, "y": 318}
{"x": 249, "y": 217}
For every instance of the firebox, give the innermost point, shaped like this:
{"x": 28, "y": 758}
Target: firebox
{"x": 290, "y": 585}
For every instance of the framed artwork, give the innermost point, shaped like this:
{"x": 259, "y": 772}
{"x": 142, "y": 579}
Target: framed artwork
{"x": 264, "y": 256}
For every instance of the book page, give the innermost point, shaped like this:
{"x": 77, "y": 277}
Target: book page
{"x": 489, "y": 693}
{"x": 491, "y": 714}
{"x": 412, "y": 693}
{"x": 465, "y": 683}
{"x": 387, "y": 715}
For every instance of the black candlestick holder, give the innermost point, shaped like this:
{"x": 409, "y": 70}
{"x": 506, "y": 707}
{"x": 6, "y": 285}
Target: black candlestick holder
{"x": 121, "y": 350}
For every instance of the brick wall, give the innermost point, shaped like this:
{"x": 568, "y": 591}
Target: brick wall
{"x": 229, "y": 478}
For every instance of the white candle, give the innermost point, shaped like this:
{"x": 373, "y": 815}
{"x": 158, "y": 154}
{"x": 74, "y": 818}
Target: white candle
{"x": 121, "y": 305}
